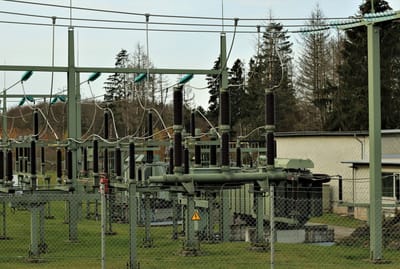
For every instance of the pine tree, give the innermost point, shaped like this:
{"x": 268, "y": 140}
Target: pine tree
{"x": 237, "y": 94}
{"x": 213, "y": 83}
{"x": 271, "y": 68}
{"x": 350, "y": 110}
{"x": 315, "y": 82}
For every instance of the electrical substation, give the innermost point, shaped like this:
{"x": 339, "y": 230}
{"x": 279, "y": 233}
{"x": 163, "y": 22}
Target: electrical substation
{"x": 193, "y": 191}
{"x": 202, "y": 189}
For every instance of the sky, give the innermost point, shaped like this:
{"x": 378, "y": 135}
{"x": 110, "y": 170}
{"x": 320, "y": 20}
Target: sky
{"x": 23, "y": 44}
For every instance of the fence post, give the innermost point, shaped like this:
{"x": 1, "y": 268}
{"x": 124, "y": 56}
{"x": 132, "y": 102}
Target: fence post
{"x": 103, "y": 224}
{"x": 132, "y": 224}
{"x": 272, "y": 226}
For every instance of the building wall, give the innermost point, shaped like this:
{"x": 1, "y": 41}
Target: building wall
{"x": 328, "y": 153}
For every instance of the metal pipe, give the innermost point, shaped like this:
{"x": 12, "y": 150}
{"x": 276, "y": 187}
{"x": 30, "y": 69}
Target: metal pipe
{"x": 221, "y": 177}
{"x": 132, "y": 162}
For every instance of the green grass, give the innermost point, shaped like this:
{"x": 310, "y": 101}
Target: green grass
{"x": 165, "y": 253}
{"x": 334, "y": 219}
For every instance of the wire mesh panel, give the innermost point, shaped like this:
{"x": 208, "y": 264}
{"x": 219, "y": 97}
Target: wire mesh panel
{"x": 230, "y": 227}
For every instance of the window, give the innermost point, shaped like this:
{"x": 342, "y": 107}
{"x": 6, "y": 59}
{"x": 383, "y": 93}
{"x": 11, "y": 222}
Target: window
{"x": 391, "y": 185}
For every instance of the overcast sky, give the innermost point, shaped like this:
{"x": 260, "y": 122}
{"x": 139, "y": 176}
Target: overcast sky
{"x": 32, "y": 45}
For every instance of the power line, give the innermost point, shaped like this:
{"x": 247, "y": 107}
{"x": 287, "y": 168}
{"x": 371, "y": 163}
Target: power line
{"x": 161, "y": 15}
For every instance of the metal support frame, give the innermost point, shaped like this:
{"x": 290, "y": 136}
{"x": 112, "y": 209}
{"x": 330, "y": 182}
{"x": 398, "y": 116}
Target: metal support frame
{"x": 132, "y": 225}
{"x": 375, "y": 143}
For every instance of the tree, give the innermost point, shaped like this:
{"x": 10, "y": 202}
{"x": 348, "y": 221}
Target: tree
{"x": 350, "y": 109}
{"x": 315, "y": 80}
{"x": 213, "y": 82}
{"x": 236, "y": 88}
{"x": 271, "y": 69}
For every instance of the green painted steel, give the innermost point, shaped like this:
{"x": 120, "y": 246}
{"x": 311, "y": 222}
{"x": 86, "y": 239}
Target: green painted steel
{"x": 375, "y": 143}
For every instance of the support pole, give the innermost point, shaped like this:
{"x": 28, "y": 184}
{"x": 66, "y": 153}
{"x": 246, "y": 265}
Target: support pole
{"x": 34, "y": 248}
{"x": 375, "y": 144}
{"x": 73, "y": 132}
{"x": 132, "y": 224}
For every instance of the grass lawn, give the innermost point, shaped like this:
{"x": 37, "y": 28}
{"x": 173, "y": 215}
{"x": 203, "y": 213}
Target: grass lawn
{"x": 166, "y": 253}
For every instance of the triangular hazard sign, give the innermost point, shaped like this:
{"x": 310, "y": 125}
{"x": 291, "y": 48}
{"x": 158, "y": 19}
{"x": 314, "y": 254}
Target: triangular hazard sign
{"x": 196, "y": 216}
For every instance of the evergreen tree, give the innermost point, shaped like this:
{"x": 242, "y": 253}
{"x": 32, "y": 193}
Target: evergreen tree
{"x": 271, "y": 68}
{"x": 213, "y": 82}
{"x": 315, "y": 80}
{"x": 237, "y": 94}
{"x": 350, "y": 110}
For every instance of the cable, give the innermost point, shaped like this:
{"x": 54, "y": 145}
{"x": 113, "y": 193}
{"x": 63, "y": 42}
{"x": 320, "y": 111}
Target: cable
{"x": 158, "y": 15}
{"x": 141, "y": 22}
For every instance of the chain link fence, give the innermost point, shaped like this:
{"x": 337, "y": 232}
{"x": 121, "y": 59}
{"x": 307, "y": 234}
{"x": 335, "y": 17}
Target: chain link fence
{"x": 228, "y": 227}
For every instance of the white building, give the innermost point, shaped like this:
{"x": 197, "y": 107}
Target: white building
{"x": 345, "y": 155}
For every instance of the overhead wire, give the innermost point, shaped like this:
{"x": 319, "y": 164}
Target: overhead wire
{"x": 156, "y": 15}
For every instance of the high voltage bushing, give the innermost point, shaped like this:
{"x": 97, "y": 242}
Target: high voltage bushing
{"x": 85, "y": 161}
{"x": 213, "y": 153}
{"x": 95, "y": 156}
{"x": 33, "y": 157}
{"x": 270, "y": 126}
{"x": 59, "y": 165}
{"x": 9, "y": 167}
{"x": 178, "y": 120}
{"x": 186, "y": 161}
{"x": 177, "y": 149}
{"x": 96, "y": 163}
{"x": 35, "y": 124}
{"x": 69, "y": 167}
{"x": 225, "y": 115}
{"x": 178, "y": 104}
{"x": 118, "y": 168}
{"x": 42, "y": 159}
{"x": 149, "y": 153}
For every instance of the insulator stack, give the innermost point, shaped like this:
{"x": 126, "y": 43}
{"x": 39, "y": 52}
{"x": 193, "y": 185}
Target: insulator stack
{"x": 33, "y": 157}
{"x": 95, "y": 157}
{"x": 59, "y": 164}
{"x": 178, "y": 120}
{"x": 69, "y": 166}
{"x": 186, "y": 161}
{"x": 270, "y": 126}
{"x": 118, "y": 165}
{"x": 178, "y": 103}
{"x": 132, "y": 161}
{"x": 171, "y": 160}
{"x": 9, "y": 166}
{"x": 149, "y": 153}
{"x": 35, "y": 125}
{"x": 177, "y": 149}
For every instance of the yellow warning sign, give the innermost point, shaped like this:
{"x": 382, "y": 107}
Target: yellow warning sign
{"x": 196, "y": 216}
